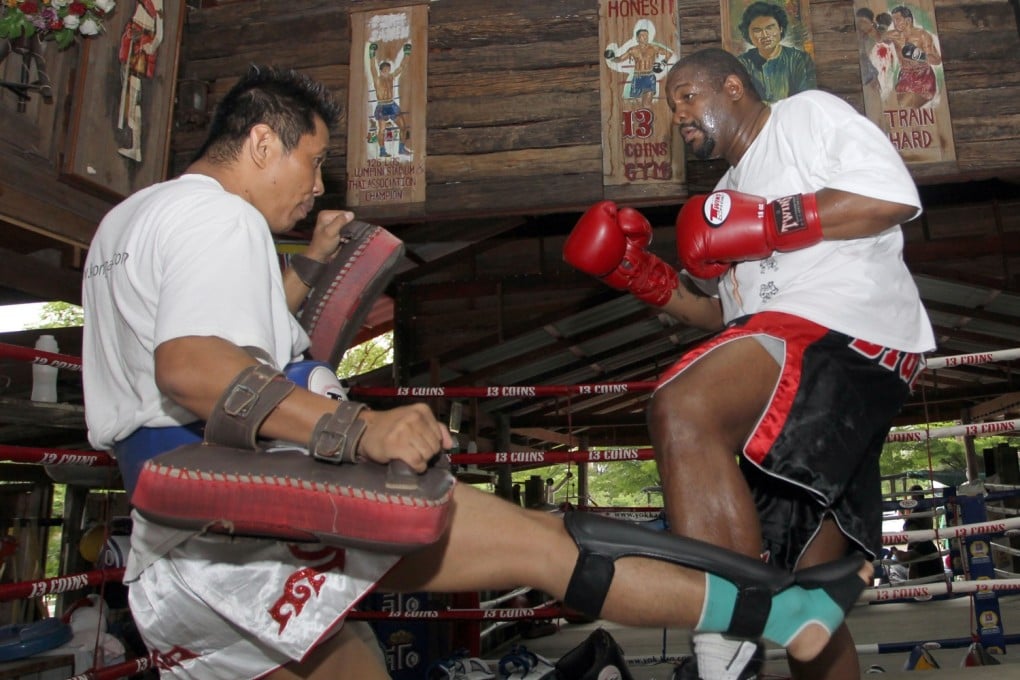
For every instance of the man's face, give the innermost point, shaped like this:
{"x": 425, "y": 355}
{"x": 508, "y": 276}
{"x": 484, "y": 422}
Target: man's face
{"x": 642, "y": 37}
{"x": 698, "y": 111}
{"x": 295, "y": 180}
{"x": 864, "y": 25}
{"x": 900, "y": 22}
{"x": 765, "y": 35}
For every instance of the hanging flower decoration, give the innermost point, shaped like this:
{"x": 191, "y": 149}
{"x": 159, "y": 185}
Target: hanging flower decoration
{"x": 59, "y": 20}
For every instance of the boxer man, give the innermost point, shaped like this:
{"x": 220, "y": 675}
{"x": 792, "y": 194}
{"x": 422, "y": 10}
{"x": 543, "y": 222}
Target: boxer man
{"x": 181, "y": 278}
{"x": 768, "y": 435}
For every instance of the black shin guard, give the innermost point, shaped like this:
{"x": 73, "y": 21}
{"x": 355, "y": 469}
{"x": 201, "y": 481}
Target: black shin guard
{"x": 601, "y": 541}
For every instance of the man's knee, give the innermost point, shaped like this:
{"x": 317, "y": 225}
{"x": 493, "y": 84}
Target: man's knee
{"x": 676, "y": 421}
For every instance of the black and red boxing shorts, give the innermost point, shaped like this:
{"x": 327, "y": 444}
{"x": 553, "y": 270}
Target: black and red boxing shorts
{"x": 815, "y": 450}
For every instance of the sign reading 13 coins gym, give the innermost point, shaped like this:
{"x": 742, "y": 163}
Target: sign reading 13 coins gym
{"x": 640, "y": 41}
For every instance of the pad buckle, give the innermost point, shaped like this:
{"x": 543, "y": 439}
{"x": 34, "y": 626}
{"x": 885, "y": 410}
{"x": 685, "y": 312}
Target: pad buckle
{"x": 243, "y": 397}
{"x": 336, "y": 435}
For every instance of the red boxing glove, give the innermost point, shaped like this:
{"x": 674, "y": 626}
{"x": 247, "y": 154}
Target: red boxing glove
{"x": 723, "y": 227}
{"x": 610, "y": 243}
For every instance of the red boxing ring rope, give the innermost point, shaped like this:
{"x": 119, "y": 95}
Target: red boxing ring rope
{"x": 72, "y": 363}
{"x": 32, "y": 454}
{"x": 503, "y": 614}
{"x": 58, "y": 584}
{"x": 120, "y": 670}
{"x": 36, "y": 356}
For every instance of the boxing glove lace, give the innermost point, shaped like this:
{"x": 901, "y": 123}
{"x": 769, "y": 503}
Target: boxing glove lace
{"x": 611, "y": 243}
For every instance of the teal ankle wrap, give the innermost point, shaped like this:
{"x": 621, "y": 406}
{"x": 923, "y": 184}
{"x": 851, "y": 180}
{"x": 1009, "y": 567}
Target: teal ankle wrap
{"x": 795, "y": 608}
{"x": 720, "y": 600}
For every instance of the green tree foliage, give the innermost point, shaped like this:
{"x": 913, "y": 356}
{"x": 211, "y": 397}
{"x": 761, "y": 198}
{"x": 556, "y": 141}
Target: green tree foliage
{"x": 945, "y": 453}
{"x": 621, "y": 484}
{"x": 55, "y": 533}
{"x": 58, "y": 315}
{"x": 367, "y": 356}
{"x": 627, "y": 483}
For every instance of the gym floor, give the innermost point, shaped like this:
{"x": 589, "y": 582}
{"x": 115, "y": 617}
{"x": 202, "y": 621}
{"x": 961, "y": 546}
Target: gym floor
{"x": 875, "y": 623}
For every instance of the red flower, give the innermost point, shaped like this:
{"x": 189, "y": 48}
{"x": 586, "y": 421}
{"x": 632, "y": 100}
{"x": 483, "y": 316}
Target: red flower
{"x": 56, "y": 25}
{"x": 29, "y": 7}
{"x": 77, "y": 8}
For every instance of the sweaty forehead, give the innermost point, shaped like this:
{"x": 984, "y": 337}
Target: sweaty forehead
{"x": 685, "y": 77}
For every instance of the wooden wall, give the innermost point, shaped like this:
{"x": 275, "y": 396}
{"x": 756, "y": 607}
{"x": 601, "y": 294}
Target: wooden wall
{"x": 32, "y": 196}
{"x": 513, "y": 114}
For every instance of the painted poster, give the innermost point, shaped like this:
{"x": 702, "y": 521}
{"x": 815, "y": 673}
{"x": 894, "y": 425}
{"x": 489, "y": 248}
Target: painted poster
{"x": 639, "y": 42}
{"x": 386, "y": 120}
{"x": 903, "y": 79}
{"x": 772, "y": 39}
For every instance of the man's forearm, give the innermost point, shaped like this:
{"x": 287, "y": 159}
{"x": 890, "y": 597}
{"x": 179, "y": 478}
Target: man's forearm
{"x": 692, "y": 307}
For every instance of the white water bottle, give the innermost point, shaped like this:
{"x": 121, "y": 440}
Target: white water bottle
{"x": 44, "y": 378}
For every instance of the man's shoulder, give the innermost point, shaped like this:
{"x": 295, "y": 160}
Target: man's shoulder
{"x": 814, "y": 100}
{"x": 193, "y": 191}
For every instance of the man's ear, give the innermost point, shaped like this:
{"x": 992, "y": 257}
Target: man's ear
{"x": 261, "y": 142}
{"x": 733, "y": 87}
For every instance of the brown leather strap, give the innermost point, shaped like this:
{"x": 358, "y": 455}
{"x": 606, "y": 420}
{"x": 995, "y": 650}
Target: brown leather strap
{"x": 336, "y": 435}
{"x": 244, "y": 405}
{"x": 309, "y": 271}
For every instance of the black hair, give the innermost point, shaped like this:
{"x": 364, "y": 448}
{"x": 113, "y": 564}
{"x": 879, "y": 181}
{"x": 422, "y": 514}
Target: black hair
{"x": 763, "y": 9}
{"x": 717, "y": 65}
{"x": 866, "y": 13}
{"x": 903, "y": 11}
{"x": 883, "y": 21}
{"x": 283, "y": 99}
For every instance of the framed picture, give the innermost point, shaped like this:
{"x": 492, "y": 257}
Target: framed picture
{"x": 903, "y": 77}
{"x": 772, "y": 39}
{"x": 640, "y": 157}
{"x": 123, "y": 98}
{"x": 387, "y": 98}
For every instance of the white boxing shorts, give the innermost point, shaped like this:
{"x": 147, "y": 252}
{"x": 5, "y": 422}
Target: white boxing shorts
{"x": 214, "y": 606}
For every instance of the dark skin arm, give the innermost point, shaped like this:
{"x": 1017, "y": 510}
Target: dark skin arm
{"x": 193, "y": 371}
{"x": 847, "y": 216}
{"x": 692, "y": 307}
{"x": 843, "y": 215}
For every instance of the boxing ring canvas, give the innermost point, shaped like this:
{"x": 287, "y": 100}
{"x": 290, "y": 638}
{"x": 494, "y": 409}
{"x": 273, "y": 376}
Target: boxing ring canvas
{"x": 639, "y": 43}
{"x": 386, "y": 105}
{"x": 903, "y": 78}
{"x": 123, "y": 99}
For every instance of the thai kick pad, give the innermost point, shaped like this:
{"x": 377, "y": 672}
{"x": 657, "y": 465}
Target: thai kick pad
{"x": 234, "y": 483}
{"x": 285, "y": 494}
{"x": 348, "y": 288}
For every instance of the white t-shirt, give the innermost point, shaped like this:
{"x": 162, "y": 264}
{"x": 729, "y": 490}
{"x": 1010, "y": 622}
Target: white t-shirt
{"x": 860, "y": 287}
{"x": 183, "y": 257}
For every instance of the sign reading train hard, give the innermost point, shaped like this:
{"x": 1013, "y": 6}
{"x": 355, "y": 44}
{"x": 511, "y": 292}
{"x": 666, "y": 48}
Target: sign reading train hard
{"x": 903, "y": 79}
{"x": 386, "y": 108}
{"x": 640, "y": 41}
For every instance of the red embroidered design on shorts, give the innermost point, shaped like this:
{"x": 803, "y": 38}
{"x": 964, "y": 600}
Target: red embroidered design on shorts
{"x": 174, "y": 657}
{"x": 306, "y": 582}
{"x": 299, "y": 589}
